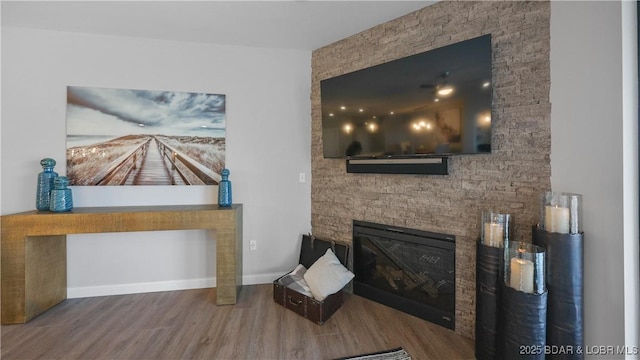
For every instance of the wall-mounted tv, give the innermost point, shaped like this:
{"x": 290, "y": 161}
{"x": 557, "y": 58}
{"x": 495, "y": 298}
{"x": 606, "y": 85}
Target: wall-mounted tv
{"x": 433, "y": 103}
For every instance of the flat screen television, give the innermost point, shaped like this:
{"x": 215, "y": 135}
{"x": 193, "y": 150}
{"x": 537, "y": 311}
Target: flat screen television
{"x": 433, "y": 103}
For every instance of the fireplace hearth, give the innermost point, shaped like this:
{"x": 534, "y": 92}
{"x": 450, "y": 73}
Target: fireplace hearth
{"x": 407, "y": 269}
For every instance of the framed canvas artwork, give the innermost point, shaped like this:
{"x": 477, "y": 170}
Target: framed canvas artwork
{"x": 144, "y": 137}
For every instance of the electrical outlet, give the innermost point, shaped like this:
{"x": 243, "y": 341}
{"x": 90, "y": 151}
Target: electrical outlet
{"x": 301, "y": 178}
{"x": 253, "y": 244}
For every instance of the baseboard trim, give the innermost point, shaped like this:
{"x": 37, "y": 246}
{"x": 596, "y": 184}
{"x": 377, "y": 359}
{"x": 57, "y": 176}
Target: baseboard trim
{"x": 260, "y": 278}
{"x": 157, "y": 286}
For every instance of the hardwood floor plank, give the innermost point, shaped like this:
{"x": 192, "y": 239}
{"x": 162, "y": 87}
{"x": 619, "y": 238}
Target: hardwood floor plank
{"x": 266, "y": 331}
{"x": 298, "y": 340}
{"x": 361, "y": 319}
{"x": 188, "y": 325}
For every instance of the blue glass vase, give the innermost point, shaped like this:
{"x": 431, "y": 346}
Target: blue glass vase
{"x": 45, "y": 183}
{"x": 224, "y": 189}
{"x": 61, "y": 199}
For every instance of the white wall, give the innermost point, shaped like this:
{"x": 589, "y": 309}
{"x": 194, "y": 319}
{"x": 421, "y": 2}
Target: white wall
{"x": 631, "y": 179}
{"x": 594, "y": 152}
{"x": 268, "y": 142}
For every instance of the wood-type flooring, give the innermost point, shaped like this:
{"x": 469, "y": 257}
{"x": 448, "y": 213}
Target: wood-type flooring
{"x": 188, "y": 325}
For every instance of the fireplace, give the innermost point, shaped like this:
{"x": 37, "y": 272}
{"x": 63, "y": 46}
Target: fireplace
{"x": 409, "y": 270}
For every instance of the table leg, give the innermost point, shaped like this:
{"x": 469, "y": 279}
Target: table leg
{"x": 34, "y": 276}
{"x": 229, "y": 262}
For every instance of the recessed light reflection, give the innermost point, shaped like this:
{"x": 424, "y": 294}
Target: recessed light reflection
{"x": 421, "y": 125}
{"x": 486, "y": 84}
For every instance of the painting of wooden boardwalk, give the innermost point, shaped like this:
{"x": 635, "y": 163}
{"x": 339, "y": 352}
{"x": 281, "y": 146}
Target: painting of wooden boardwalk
{"x": 141, "y": 137}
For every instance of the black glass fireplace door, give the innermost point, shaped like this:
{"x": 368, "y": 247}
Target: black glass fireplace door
{"x": 407, "y": 271}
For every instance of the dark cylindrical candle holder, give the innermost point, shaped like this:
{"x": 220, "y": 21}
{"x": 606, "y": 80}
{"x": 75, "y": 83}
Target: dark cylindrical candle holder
{"x": 565, "y": 286}
{"x": 489, "y": 265}
{"x": 523, "y": 324}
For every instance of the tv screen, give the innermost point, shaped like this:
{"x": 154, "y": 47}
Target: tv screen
{"x": 433, "y": 103}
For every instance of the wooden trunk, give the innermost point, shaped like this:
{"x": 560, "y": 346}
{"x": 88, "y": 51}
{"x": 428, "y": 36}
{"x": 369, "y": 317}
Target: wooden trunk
{"x": 308, "y": 307}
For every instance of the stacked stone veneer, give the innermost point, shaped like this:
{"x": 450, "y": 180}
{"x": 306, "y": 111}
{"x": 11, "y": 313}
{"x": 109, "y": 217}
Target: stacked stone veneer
{"x": 508, "y": 180}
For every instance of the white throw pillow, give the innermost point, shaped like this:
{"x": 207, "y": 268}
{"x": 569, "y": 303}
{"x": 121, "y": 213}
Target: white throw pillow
{"x": 327, "y": 276}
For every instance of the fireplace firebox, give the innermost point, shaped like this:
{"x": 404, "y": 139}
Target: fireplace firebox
{"x": 407, "y": 269}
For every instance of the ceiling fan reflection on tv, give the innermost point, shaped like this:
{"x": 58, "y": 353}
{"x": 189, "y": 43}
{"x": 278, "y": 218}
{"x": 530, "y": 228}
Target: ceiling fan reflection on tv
{"x": 442, "y": 86}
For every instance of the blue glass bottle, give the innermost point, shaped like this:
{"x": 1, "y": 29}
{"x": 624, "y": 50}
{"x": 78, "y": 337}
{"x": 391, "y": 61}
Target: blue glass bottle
{"x": 224, "y": 189}
{"x": 61, "y": 199}
{"x": 45, "y": 183}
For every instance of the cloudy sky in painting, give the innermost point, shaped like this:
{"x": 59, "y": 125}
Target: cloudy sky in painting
{"x": 116, "y": 112}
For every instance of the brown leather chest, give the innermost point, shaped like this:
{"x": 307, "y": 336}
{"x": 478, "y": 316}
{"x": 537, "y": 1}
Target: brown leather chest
{"x": 306, "y": 306}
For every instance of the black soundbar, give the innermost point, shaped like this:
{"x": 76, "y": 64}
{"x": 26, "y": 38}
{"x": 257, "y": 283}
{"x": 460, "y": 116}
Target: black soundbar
{"x": 437, "y": 165}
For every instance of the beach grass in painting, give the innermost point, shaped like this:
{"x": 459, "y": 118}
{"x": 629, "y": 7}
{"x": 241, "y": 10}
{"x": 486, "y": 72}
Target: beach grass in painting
{"x": 141, "y": 137}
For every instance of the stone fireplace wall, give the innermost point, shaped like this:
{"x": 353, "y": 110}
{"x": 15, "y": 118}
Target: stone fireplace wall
{"x": 509, "y": 180}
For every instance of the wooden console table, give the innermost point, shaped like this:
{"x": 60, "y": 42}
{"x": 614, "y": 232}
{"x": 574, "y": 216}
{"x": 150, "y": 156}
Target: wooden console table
{"x": 34, "y": 249}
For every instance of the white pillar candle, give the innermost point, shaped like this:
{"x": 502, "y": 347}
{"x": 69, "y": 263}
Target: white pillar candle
{"x": 556, "y": 219}
{"x": 493, "y": 234}
{"x": 521, "y": 275}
